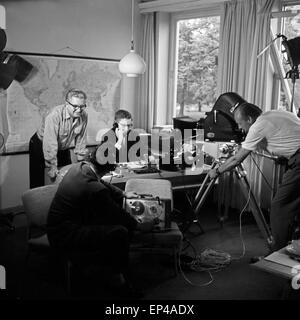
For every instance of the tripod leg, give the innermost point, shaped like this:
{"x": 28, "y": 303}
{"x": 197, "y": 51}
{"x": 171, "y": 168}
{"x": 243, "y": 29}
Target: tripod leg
{"x": 203, "y": 185}
{"x": 204, "y": 196}
{"x": 193, "y": 219}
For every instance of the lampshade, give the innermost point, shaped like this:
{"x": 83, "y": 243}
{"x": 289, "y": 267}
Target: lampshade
{"x": 291, "y": 51}
{"x": 132, "y": 64}
{"x": 23, "y": 67}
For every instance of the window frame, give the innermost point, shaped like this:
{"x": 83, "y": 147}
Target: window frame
{"x": 172, "y": 70}
{"x": 279, "y": 72}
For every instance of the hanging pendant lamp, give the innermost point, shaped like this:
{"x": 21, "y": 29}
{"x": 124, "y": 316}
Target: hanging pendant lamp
{"x": 132, "y": 64}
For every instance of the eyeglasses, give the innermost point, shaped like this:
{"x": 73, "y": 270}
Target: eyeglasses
{"x": 83, "y": 106}
{"x": 129, "y": 125}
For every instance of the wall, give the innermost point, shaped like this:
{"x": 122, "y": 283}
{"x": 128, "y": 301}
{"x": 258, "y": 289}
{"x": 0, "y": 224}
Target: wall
{"x": 96, "y": 28}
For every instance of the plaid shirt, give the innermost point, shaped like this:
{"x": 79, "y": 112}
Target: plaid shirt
{"x": 60, "y": 131}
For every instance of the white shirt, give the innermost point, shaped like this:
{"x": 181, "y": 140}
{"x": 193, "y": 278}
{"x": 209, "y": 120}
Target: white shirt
{"x": 276, "y": 131}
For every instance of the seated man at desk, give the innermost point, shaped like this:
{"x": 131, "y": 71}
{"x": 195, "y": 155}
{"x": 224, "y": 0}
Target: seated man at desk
{"x": 122, "y": 137}
{"x": 86, "y": 216}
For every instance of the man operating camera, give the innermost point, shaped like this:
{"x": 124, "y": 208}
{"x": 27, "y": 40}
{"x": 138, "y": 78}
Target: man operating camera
{"x": 277, "y": 132}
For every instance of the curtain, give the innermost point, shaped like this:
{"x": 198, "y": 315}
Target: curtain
{"x": 146, "y": 88}
{"x": 244, "y": 32}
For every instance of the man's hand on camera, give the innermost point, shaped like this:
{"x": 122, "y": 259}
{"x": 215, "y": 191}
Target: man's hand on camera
{"x": 130, "y": 194}
{"x": 145, "y": 226}
{"x": 213, "y": 173}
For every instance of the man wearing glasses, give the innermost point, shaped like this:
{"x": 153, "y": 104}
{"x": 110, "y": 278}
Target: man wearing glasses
{"x": 119, "y": 136}
{"x": 63, "y": 127}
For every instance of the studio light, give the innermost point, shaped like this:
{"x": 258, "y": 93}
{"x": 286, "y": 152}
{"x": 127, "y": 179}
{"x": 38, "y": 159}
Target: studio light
{"x": 7, "y": 75}
{"x": 12, "y": 66}
{"x": 291, "y": 51}
{"x": 23, "y": 67}
{"x": 132, "y": 64}
{"x": 2, "y": 39}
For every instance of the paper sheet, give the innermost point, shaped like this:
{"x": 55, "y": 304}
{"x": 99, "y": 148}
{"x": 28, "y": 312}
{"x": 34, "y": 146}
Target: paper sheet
{"x": 282, "y": 259}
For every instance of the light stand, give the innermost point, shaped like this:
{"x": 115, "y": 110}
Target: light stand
{"x": 290, "y": 50}
{"x": 291, "y": 53}
{"x": 294, "y": 75}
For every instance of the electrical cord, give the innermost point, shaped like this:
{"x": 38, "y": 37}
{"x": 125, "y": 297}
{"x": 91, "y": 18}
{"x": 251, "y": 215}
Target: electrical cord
{"x": 189, "y": 281}
{"x": 208, "y": 260}
{"x": 211, "y": 260}
{"x": 267, "y": 182}
{"x": 240, "y": 228}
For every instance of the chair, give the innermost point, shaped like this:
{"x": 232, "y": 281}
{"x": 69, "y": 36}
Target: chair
{"x": 169, "y": 241}
{"x": 36, "y": 204}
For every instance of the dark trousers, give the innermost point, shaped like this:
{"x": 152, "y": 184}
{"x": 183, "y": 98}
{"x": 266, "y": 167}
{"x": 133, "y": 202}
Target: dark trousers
{"x": 37, "y": 161}
{"x": 101, "y": 245}
{"x": 286, "y": 203}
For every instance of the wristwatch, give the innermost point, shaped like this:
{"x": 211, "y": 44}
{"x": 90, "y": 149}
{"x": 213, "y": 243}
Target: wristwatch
{"x": 217, "y": 171}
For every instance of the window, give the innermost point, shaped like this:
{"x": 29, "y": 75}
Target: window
{"x": 197, "y": 46}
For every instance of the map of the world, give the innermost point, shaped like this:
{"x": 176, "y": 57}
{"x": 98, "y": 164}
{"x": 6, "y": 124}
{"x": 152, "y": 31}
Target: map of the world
{"x": 27, "y": 103}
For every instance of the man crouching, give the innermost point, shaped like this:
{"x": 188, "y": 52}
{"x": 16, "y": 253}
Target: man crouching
{"x": 86, "y": 220}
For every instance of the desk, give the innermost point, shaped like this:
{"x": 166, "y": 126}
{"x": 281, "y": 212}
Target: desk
{"x": 181, "y": 179}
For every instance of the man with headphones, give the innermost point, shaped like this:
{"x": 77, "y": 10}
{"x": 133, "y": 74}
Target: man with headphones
{"x": 277, "y": 132}
{"x": 87, "y": 216}
{"x": 50, "y": 145}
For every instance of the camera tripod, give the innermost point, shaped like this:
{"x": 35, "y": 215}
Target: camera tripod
{"x": 207, "y": 185}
